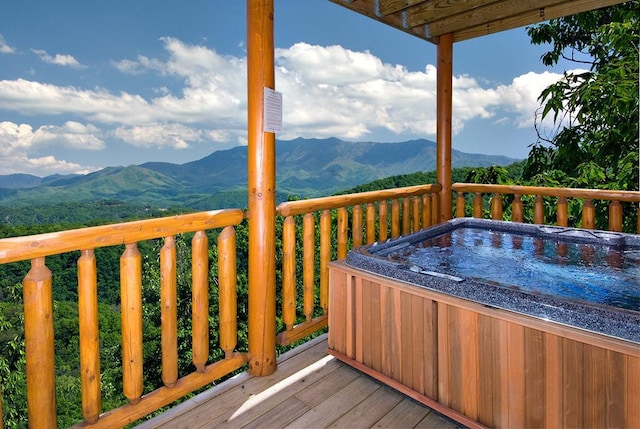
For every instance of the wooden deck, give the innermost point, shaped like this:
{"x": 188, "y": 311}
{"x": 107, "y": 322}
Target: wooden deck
{"x": 310, "y": 389}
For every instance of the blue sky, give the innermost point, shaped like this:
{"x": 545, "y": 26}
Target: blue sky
{"x": 90, "y": 84}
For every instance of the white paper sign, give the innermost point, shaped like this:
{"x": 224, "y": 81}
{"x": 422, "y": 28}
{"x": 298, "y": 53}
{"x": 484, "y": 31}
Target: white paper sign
{"x": 272, "y": 111}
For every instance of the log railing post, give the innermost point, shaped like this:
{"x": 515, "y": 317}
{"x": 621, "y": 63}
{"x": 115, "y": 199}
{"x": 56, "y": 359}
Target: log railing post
{"x": 477, "y": 205}
{"x": 131, "y": 309}
{"x": 426, "y": 210}
{"x": 516, "y": 209}
{"x": 496, "y": 207}
{"x": 588, "y": 214}
{"x": 406, "y": 216}
{"x": 169, "y": 311}
{"x": 395, "y": 218}
{"x": 89, "y": 336}
{"x": 383, "y": 214}
{"x": 343, "y": 223}
{"x": 356, "y": 225}
{"x": 563, "y": 212}
{"x": 615, "y": 216}
{"x": 538, "y": 210}
{"x": 200, "y": 300}
{"x": 371, "y": 223}
{"x": 228, "y": 301}
{"x": 289, "y": 272}
{"x": 460, "y": 203}
{"x": 308, "y": 273}
{"x": 325, "y": 258}
{"x": 415, "y": 214}
{"x": 39, "y": 345}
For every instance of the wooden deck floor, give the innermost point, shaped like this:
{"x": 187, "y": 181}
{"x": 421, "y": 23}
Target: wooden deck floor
{"x": 310, "y": 389}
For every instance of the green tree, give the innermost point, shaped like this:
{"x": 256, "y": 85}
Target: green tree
{"x": 595, "y": 110}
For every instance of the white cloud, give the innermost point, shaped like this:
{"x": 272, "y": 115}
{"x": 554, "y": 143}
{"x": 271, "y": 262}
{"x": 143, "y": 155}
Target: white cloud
{"x": 329, "y": 91}
{"x": 71, "y": 134}
{"x": 176, "y": 136}
{"x": 17, "y": 141}
{"x": 4, "y": 47}
{"x": 59, "y": 59}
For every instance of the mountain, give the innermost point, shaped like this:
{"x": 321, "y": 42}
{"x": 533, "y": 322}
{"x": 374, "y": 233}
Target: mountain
{"x": 304, "y": 167}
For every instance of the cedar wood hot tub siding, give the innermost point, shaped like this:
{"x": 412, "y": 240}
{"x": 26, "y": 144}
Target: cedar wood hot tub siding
{"x": 492, "y": 366}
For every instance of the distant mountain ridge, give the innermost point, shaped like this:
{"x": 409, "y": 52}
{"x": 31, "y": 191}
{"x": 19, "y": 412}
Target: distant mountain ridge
{"x": 304, "y": 167}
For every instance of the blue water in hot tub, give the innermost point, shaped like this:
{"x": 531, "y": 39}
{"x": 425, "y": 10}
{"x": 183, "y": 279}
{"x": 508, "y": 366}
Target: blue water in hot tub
{"x": 597, "y": 274}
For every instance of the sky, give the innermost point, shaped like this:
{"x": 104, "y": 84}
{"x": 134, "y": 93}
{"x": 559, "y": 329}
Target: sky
{"x": 90, "y": 84}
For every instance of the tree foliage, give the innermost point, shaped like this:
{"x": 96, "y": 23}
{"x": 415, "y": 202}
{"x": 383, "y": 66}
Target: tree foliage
{"x": 595, "y": 108}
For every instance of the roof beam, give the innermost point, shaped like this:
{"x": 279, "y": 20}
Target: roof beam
{"x": 477, "y": 16}
{"x": 533, "y": 17}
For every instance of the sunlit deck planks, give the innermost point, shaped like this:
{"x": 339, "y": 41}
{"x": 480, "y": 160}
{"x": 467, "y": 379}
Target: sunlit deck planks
{"x": 310, "y": 389}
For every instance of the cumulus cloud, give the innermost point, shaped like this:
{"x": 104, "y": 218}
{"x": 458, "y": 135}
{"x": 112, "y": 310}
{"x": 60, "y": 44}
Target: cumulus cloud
{"x": 17, "y": 141}
{"x": 4, "y": 47}
{"x": 329, "y": 91}
{"x": 59, "y": 59}
{"x": 176, "y": 136}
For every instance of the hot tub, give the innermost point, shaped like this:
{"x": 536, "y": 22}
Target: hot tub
{"x": 548, "y": 339}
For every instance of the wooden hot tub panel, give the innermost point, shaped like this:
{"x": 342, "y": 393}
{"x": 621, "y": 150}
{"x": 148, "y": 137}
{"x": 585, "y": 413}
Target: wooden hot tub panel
{"x": 495, "y": 367}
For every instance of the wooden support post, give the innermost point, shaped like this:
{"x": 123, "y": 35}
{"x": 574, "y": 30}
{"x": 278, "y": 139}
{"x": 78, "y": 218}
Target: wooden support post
{"x": 261, "y": 190}
{"x": 443, "y": 133}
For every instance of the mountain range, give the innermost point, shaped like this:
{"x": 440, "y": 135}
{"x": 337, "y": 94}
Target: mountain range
{"x": 304, "y": 168}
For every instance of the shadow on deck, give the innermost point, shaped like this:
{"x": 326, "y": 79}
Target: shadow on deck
{"x": 310, "y": 389}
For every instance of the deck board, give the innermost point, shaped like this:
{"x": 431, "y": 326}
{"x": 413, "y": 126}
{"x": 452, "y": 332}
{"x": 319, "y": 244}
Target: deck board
{"x": 310, "y": 389}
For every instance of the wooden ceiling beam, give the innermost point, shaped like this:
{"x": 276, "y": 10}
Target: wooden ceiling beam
{"x": 533, "y": 17}
{"x": 466, "y": 19}
{"x": 388, "y": 7}
{"x": 478, "y": 16}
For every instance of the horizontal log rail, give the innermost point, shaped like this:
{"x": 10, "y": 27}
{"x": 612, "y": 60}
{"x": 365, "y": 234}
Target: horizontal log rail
{"x": 327, "y": 234}
{"x": 38, "y": 313}
{"x": 588, "y": 212}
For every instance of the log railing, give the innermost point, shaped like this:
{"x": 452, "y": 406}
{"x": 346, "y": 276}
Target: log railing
{"x": 38, "y": 313}
{"x": 386, "y": 214}
{"x": 588, "y": 214}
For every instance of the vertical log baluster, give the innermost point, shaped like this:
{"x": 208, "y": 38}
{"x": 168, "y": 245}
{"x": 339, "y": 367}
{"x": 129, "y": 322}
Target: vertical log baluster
{"x": 415, "y": 214}
{"x": 325, "y": 258}
{"x": 435, "y": 209}
{"x": 562, "y": 218}
{"x": 89, "y": 336}
{"x": 426, "y": 210}
{"x": 615, "y": 216}
{"x": 477, "y": 205}
{"x": 343, "y": 221}
{"x": 39, "y": 345}
{"x": 538, "y": 210}
{"x": 289, "y": 272}
{"x": 200, "y": 299}
{"x": 308, "y": 264}
{"x": 406, "y": 216}
{"x": 395, "y": 218}
{"x": 588, "y": 215}
{"x": 383, "y": 218}
{"x": 460, "y": 203}
{"x": 228, "y": 302}
{"x": 169, "y": 312}
{"x": 356, "y": 225}
{"x": 131, "y": 308}
{"x": 516, "y": 209}
{"x": 371, "y": 223}
{"x": 496, "y": 207}
{"x": 638, "y": 221}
